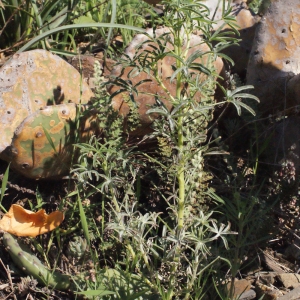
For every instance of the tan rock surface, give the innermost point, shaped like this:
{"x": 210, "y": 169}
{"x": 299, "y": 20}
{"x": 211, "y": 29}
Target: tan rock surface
{"x": 147, "y": 91}
{"x": 289, "y": 280}
{"x": 32, "y": 80}
{"x": 275, "y": 57}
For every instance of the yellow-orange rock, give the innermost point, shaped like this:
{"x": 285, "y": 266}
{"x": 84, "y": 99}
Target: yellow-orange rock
{"x": 275, "y": 58}
{"x": 31, "y": 80}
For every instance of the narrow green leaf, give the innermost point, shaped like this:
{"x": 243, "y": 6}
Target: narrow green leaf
{"x": 3, "y": 187}
{"x": 83, "y": 220}
{"x": 76, "y": 26}
{"x": 95, "y": 293}
{"x": 49, "y": 139}
{"x": 112, "y": 20}
{"x": 247, "y": 107}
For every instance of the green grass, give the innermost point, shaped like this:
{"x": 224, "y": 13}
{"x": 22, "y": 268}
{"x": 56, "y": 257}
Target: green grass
{"x": 21, "y": 21}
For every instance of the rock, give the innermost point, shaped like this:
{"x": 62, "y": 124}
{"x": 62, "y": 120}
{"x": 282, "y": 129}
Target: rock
{"x": 148, "y": 91}
{"x": 268, "y": 278}
{"x": 283, "y": 140}
{"x": 248, "y": 295}
{"x": 266, "y": 292}
{"x": 275, "y": 57}
{"x": 240, "y": 287}
{"x": 276, "y": 264}
{"x": 31, "y": 80}
{"x": 289, "y": 280}
{"x": 292, "y": 295}
{"x": 84, "y": 64}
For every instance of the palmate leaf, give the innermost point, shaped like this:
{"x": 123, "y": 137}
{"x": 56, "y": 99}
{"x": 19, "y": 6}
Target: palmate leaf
{"x": 234, "y": 97}
{"x": 239, "y": 104}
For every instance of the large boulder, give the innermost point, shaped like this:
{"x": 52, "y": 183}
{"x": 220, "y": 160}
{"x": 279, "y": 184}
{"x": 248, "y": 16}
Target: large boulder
{"x": 274, "y": 63}
{"x": 30, "y": 81}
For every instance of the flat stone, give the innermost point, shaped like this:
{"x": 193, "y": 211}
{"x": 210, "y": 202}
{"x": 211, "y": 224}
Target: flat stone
{"x": 289, "y": 280}
{"x": 248, "y": 295}
{"x": 240, "y": 287}
{"x": 292, "y": 295}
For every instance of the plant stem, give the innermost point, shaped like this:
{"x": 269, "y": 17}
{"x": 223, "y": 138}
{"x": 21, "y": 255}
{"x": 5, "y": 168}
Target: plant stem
{"x": 181, "y": 163}
{"x": 180, "y": 177}
{"x": 180, "y": 137}
{"x": 112, "y": 192}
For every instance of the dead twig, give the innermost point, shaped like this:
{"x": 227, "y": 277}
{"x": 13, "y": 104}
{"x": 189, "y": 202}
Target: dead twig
{"x": 18, "y": 188}
{"x": 10, "y": 280}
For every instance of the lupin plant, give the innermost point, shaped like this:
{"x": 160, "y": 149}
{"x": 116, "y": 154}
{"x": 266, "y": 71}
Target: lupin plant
{"x": 171, "y": 254}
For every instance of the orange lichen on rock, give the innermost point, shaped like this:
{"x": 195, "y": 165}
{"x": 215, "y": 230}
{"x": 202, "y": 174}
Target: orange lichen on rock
{"x": 274, "y": 59}
{"x": 30, "y": 81}
{"x": 23, "y": 222}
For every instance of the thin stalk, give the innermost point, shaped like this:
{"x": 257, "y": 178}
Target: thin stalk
{"x": 180, "y": 176}
{"x": 114, "y": 199}
{"x": 236, "y": 264}
{"x": 112, "y": 192}
{"x": 147, "y": 281}
{"x": 181, "y": 162}
{"x": 180, "y": 135}
{"x": 257, "y": 151}
{"x": 180, "y": 138}
{"x": 103, "y": 216}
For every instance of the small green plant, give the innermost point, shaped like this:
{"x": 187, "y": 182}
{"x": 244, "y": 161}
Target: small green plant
{"x": 148, "y": 216}
{"x": 259, "y": 6}
{"x": 129, "y": 12}
{"x": 168, "y": 248}
{"x": 255, "y": 4}
{"x": 22, "y": 21}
